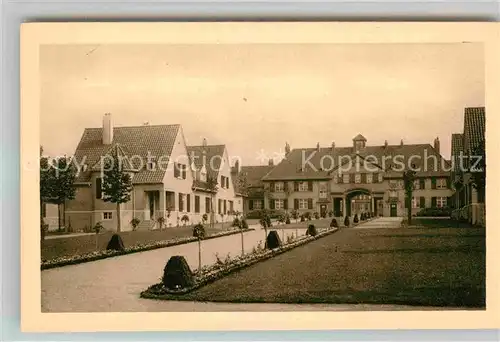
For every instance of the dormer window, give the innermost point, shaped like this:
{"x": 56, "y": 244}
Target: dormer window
{"x": 151, "y": 164}
{"x": 203, "y": 174}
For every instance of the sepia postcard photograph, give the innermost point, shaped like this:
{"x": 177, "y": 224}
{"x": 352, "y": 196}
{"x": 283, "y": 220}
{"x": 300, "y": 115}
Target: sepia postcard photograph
{"x": 271, "y": 174}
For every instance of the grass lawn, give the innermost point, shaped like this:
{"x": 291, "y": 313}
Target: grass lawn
{"x": 77, "y": 245}
{"x": 424, "y": 266}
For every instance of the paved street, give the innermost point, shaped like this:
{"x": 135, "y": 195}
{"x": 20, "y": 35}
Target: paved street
{"x": 381, "y": 222}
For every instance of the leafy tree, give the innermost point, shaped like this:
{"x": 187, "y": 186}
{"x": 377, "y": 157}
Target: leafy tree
{"x": 161, "y": 222}
{"x": 185, "y": 219}
{"x": 135, "y": 223}
{"x": 116, "y": 185}
{"x": 409, "y": 183}
{"x": 199, "y": 233}
{"x": 56, "y": 182}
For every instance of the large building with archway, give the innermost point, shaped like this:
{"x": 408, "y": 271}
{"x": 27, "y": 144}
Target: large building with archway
{"x": 359, "y": 178}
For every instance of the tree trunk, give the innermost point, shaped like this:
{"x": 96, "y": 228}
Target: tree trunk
{"x": 59, "y": 218}
{"x": 97, "y": 241}
{"x": 199, "y": 255}
{"x": 242, "y": 244}
{"x": 410, "y": 195}
{"x": 64, "y": 216}
{"x": 265, "y": 239}
{"x": 118, "y": 218}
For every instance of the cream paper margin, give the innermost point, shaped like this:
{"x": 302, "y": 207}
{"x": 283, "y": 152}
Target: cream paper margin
{"x": 35, "y": 34}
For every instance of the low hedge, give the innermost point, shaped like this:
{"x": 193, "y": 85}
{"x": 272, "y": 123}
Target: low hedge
{"x": 214, "y": 272}
{"x": 434, "y": 212}
{"x": 103, "y": 254}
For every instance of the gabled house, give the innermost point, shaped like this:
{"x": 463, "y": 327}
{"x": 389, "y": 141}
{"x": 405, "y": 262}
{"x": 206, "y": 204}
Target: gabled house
{"x": 469, "y": 198}
{"x": 358, "y": 178}
{"x": 251, "y": 178}
{"x": 164, "y": 181}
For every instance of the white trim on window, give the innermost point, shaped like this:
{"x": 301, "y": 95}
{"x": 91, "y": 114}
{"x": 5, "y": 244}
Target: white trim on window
{"x": 441, "y": 202}
{"x": 107, "y": 215}
{"x": 279, "y": 187}
{"x": 303, "y": 203}
{"x": 279, "y": 204}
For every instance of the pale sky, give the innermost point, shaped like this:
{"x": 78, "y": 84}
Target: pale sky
{"x": 253, "y": 97}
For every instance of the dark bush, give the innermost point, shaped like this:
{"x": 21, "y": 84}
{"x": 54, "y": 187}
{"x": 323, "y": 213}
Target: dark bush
{"x": 115, "y": 243}
{"x": 363, "y": 217}
{"x": 323, "y": 214}
{"x": 177, "y": 273}
{"x": 346, "y": 221}
{"x": 307, "y": 216}
{"x": 334, "y": 223}
{"x": 330, "y": 213}
{"x": 316, "y": 215}
{"x": 302, "y": 218}
{"x": 434, "y": 212}
{"x": 287, "y": 221}
{"x": 244, "y": 224}
{"x": 199, "y": 231}
{"x": 236, "y": 222}
{"x": 273, "y": 240}
{"x": 356, "y": 219}
{"x": 372, "y": 214}
{"x": 311, "y": 230}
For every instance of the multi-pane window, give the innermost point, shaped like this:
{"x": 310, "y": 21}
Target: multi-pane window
{"x": 222, "y": 181}
{"x": 207, "y": 205}
{"x": 279, "y": 187}
{"x": 303, "y": 203}
{"x": 380, "y": 178}
{"x": 335, "y": 178}
{"x": 231, "y": 206}
{"x": 441, "y": 202}
{"x": 441, "y": 183}
{"x": 357, "y": 178}
{"x": 369, "y": 178}
{"x": 181, "y": 202}
{"x": 415, "y": 202}
{"x": 279, "y": 204}
{"x": 323, "y": 190}
{"x": 196, "y": 204}
{"x": 107, "y": 215}
{"x": 180, "y": 170}
{"x": 416, "y": 184}
{"x": 257, "y": 204}
{"x": 345, "y": 178}
{"x": 303, "y": 186}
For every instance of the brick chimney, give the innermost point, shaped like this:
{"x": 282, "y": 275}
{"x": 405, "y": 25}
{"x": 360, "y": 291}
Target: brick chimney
{"x": 401, "y": 143}
{"x": 237, "y": 166}
{"x": 287, "y": 148}
{"x": 107, "y": 129}
{"x": 271, "y": 162}
{"x": 317, "y": 147}
{"x": 204, "y": 143}
{"x": 386, "y": 144}
{"x": 333, "y": 146}
{"x": 437, "y": 144}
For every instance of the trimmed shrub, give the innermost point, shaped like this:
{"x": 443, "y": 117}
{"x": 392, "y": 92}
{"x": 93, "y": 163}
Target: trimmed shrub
{"x": 355, "y": 219}
{"x": 311, "y": 230}
{"x": 323, "y": 214}
{"x": 347, "y": 222}
{"x": 273, "y": 240}
{"x": 115, "y": 243}
{"x": 199, "y": 231}
{"x": 135, "y": 223}
{"x": 236, "y": 222}
{"x": 244, "y": 224}
{"x": 302, "y": 218}
{"x": 287, "y": 221}
{"x": 334, "y": 223}
{"x": 362, "y": 217}
{"x": 307, "y": 216}
{"x": 330, "y": 213}
{"x": 177, "y": 274}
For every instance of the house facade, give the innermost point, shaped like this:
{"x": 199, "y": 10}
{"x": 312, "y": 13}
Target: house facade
{"x": 250, "y": 177}
{"x": 359, "y": 178}
{"x": 166, "y": 179}
{"x": 469, "y": 198}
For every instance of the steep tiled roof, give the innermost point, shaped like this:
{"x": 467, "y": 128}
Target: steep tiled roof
{"x": 359, "y": 137}
{"x": 474, "y": 127}
{"x": 457, "y": 147}
{"x": 115, "y": 151}
{"x": 214, "y": 157}
{"x": 135, "y": 142}
{"x": 254, "y": 174}
{"x": 290, "y": 168}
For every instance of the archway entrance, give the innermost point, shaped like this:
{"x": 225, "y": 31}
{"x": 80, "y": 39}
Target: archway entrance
{"x": 358, "y": 201}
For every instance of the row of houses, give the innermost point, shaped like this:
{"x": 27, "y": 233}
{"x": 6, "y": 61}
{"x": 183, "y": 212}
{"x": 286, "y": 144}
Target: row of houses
{"x": 171, "y": 179}
{"x": 364, "y": 183}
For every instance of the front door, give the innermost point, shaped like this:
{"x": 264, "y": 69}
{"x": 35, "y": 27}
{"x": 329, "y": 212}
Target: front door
{"x": 152, "y": 205}
{"x": 322, "y": 210}
{"x": 394, "y": 210}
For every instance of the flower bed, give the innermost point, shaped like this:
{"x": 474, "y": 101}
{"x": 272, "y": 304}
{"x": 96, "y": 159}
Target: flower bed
{"x": 103, "y": 254}
{"x": 214, "y": 272}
